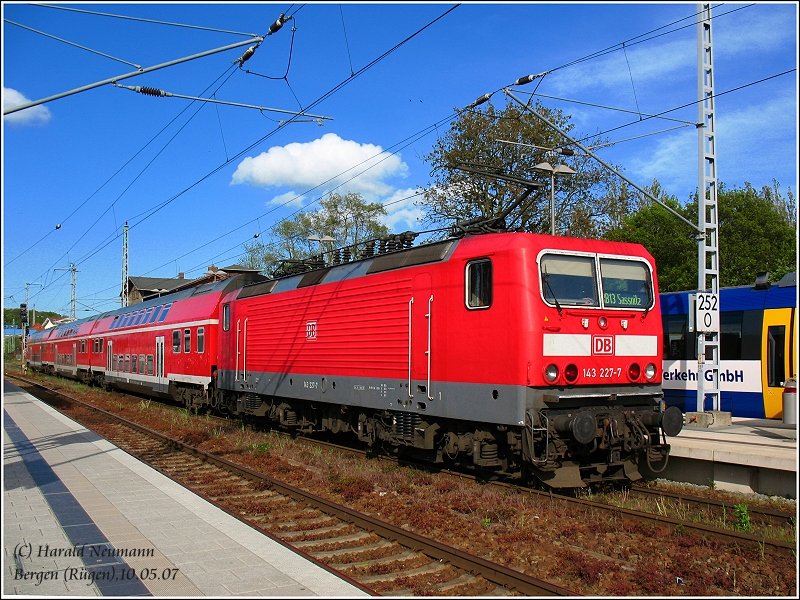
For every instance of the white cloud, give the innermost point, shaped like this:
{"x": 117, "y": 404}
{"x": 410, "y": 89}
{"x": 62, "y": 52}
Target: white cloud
{"x": 401, "y": 211}
{"x": 673, "y": 161}
{"x": 648, "y": 63}
{"x": 288, "y": 199}
{"x": 754, "y": 143}
{"x": 36, "y": 115}
{"x": 328, "y": 161}
{"x": 752, "y": 32}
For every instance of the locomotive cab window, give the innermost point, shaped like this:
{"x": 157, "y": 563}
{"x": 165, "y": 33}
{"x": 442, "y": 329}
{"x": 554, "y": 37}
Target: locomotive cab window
{"x": 479, "y": 284}
{"x": 626, "y": 283}
{"x": 569, "y": 280}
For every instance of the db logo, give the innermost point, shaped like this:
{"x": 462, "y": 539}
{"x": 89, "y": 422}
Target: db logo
{"x": 602, "y": 344}
{"x": 311, "y": 330}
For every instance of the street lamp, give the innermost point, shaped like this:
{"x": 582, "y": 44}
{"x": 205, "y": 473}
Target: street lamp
{"x": 560, "y": 170}
{"x": 322, "y": 241}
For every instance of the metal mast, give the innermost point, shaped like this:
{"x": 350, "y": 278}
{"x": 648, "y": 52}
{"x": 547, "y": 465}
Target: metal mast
{"x": 708, "y": 244}
{"x": 124, "y": 295}
{"x": 74, "y": 299}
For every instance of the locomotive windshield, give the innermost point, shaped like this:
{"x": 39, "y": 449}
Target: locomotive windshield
{"x": 573, "y": 281}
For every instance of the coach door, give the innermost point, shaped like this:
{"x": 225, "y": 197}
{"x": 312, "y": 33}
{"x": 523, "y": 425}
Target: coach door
{"x": 109, "y": 349}
{"x": 74, "y": 364}
{"x": 160, "y": 361}
{"x": 775, "y": 354}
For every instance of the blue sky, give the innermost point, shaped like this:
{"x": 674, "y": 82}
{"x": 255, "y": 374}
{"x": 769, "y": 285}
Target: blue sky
{"x": 196, "y": 180}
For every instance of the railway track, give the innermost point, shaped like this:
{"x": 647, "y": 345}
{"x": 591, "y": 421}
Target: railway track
{"x": 375, "y": 555}
{"x": 707, "y": 517}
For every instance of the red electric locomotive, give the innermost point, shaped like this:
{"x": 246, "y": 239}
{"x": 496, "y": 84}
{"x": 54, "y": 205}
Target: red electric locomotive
{"x": 512, "y": 352}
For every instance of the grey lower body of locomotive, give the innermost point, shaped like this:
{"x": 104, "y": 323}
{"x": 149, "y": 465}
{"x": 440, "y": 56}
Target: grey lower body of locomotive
{"x": 567, "y": 437}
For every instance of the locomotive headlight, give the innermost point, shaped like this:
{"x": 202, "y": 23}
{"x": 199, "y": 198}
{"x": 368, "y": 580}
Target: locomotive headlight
{"x": 602, "y": 322}
{"x": 551, "y": 373}
{"x": 634, "y": 370}
{"x": 650, "y": 371}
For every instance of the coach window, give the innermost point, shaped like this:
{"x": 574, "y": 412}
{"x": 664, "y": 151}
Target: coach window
{"x": 164, "y": 312}
{"x": 187, "y": 340}
{"x": 114, "y": 366}
{"x": 82, "y": 347}
{"x": 675, "y": 340}
{"x": 201, "y": 340}
{"x": 479, "y": 284}
{"x": 134, "y": 364}
{"x": 141, "y": 364}
{"x": 776, "y": 337}
{"x": 149, "y": 364}
{"x": 127, "y": 368}
{"x": 226, "y": 317}
{"x": 176, "y": 340}
{"x": 730, "y": 342}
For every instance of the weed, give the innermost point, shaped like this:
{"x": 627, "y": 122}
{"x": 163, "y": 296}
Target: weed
{"x": 486, "y": 522}
{"x": 261, "y": 447}
{"x": 742, "y": 517}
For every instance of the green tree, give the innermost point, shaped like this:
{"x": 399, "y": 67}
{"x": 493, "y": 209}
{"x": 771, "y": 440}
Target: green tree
{"x": 757, "y": 232}
{"x": 586, "y": 204}
{"x": 671, "y": 242}
{"x": 348, "y": 219}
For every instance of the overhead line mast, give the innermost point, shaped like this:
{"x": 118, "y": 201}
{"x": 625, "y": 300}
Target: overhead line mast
{"x": 124, "y": 299}
{"x": 707, "y": 310}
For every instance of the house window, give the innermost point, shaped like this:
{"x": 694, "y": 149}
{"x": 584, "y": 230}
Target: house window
{"x": 479, "y": 284}
{"x": 201, "y": 340}
{"x": 176, "y": 340}
{"x": 187, "y": 340}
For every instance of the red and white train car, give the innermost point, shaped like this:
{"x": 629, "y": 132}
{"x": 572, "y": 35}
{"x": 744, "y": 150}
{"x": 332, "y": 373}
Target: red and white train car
{"x": 164, "y": 346}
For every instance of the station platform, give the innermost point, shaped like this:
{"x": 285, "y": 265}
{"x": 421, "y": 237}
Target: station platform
{"x": 83, "y": 518}
{"x": 747, "y": 456}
